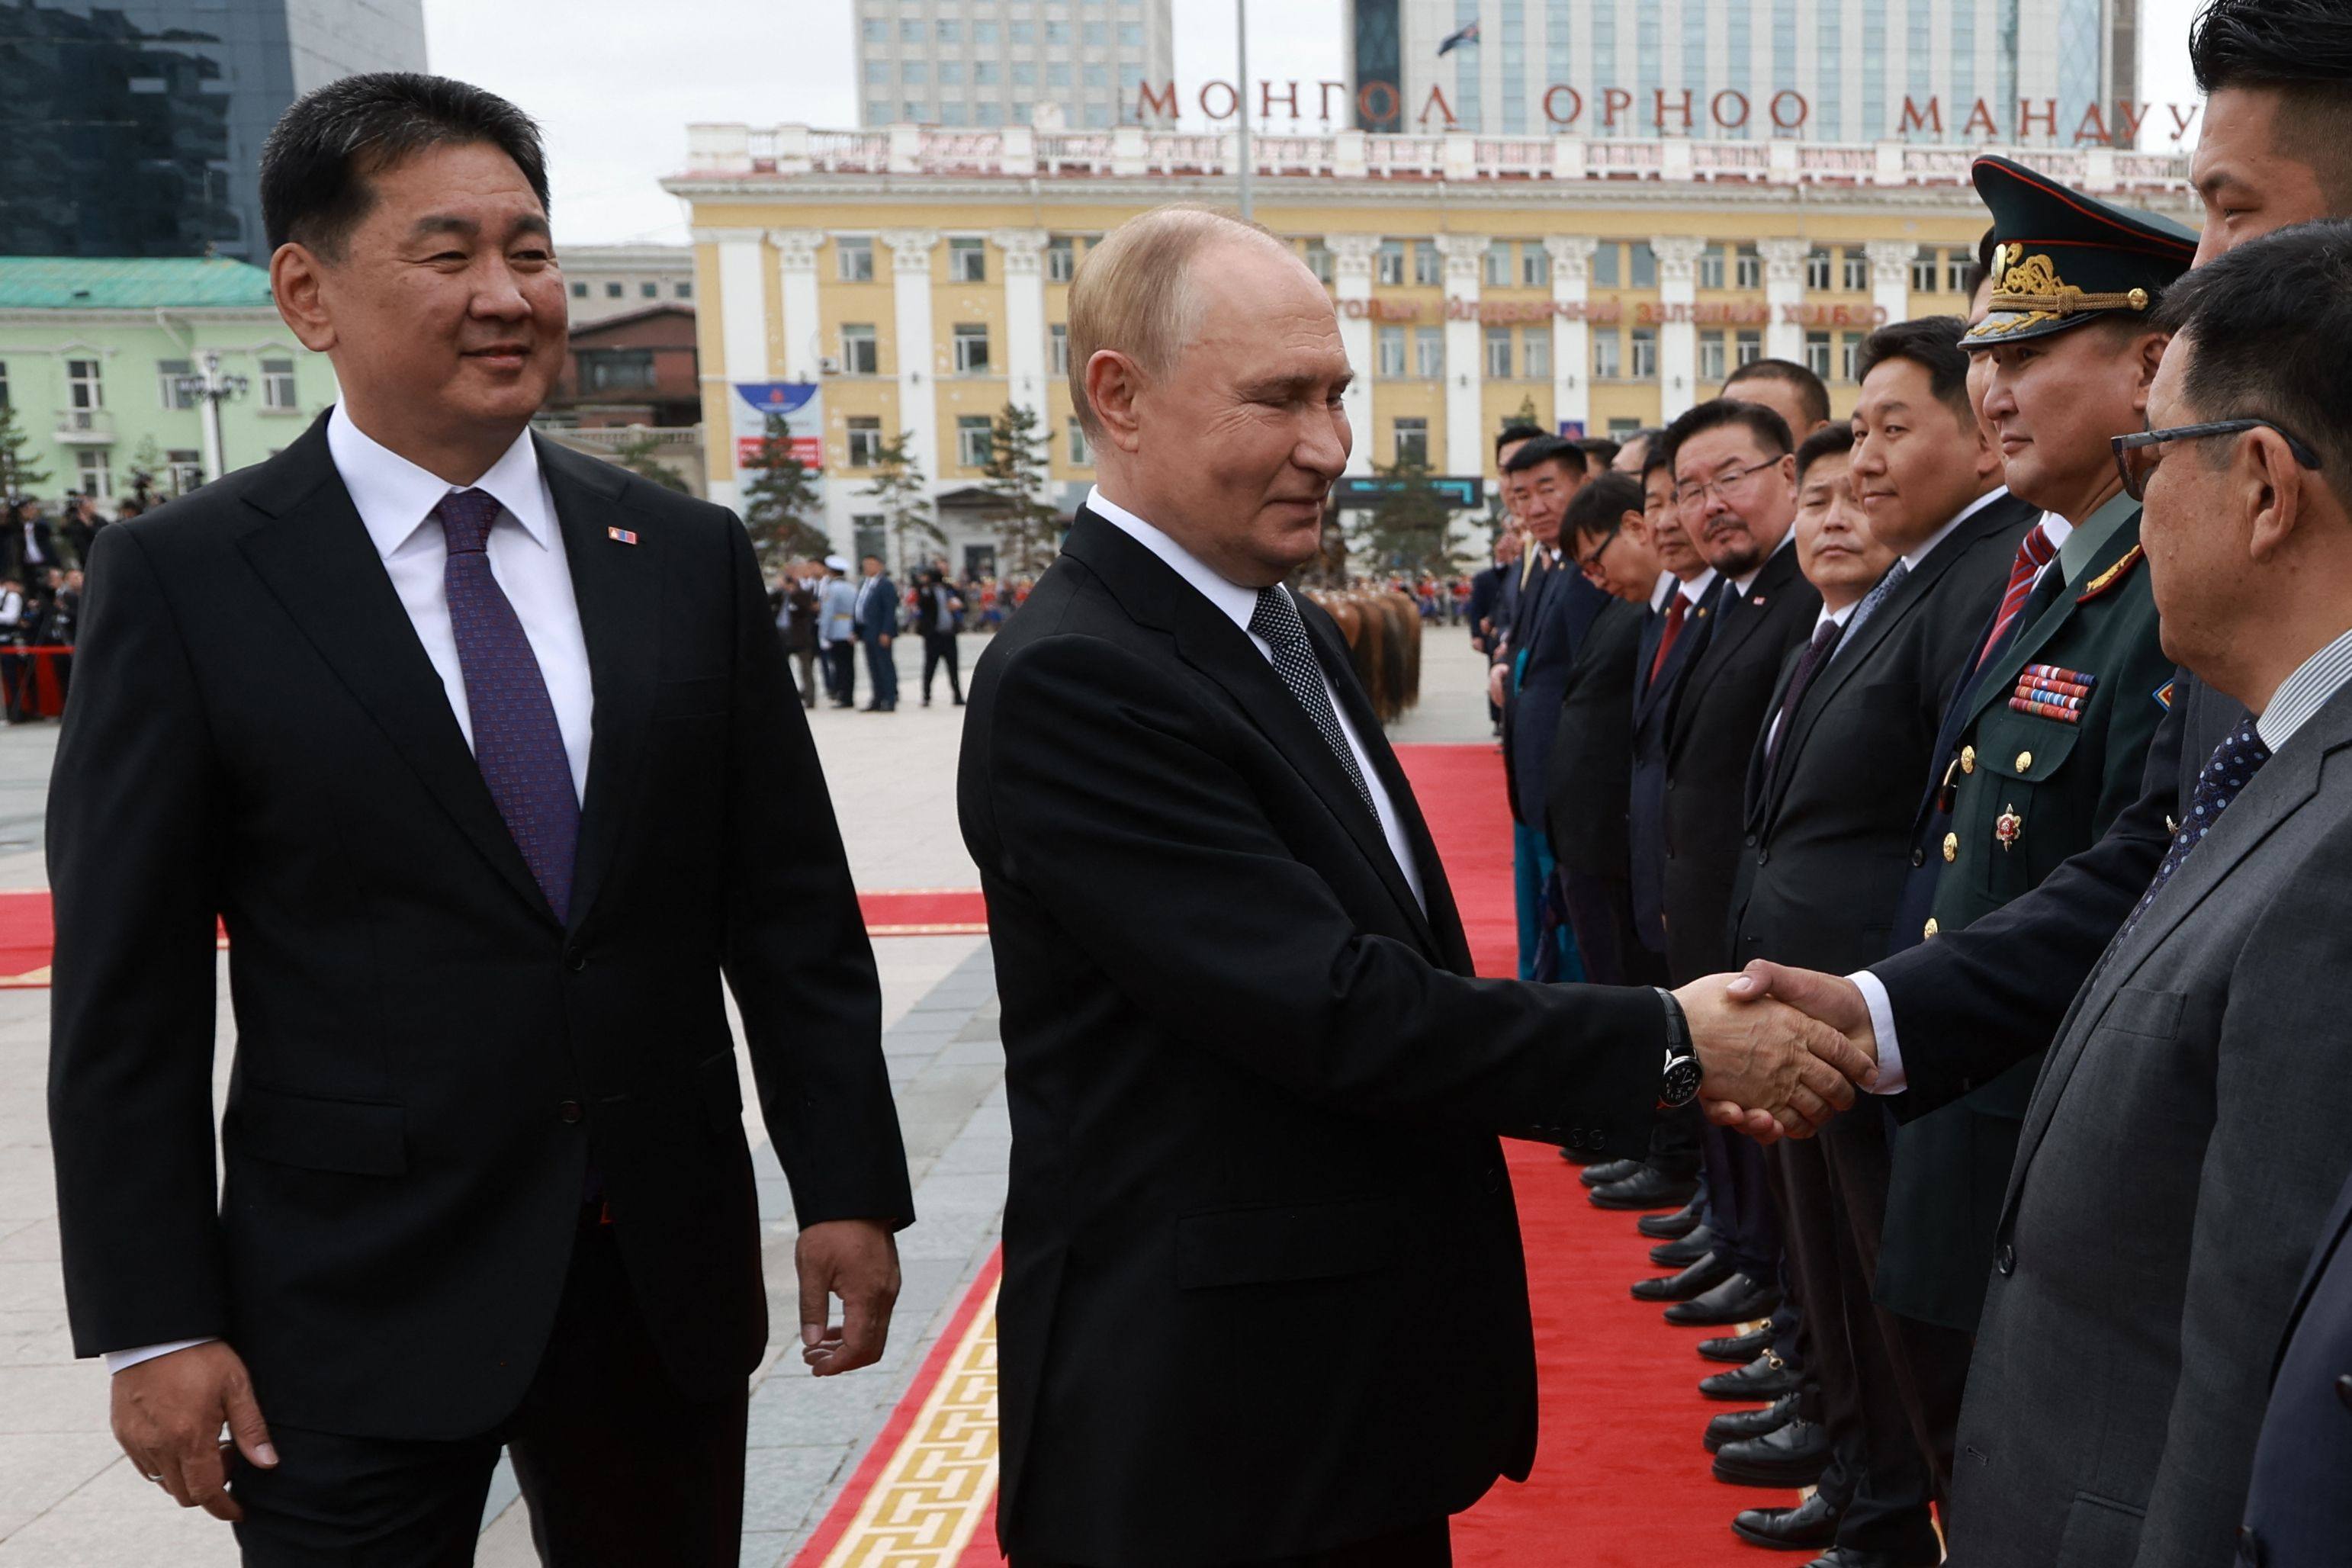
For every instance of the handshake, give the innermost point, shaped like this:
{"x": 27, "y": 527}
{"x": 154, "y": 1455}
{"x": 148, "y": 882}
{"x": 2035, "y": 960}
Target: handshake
{"x": 1781, "y": 1051}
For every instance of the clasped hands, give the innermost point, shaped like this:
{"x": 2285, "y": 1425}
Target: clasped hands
{"x": 1781, "y": 1051}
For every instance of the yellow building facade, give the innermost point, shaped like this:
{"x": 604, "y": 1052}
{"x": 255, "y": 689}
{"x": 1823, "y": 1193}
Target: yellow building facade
{"x": 919, "y": 279}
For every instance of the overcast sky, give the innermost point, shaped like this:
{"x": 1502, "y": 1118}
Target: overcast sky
{"x": 616, "y": 81}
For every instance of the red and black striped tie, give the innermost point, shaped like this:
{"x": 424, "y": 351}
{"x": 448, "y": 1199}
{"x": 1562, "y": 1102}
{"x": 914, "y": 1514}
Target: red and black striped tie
{"x": 2033, "y": 553}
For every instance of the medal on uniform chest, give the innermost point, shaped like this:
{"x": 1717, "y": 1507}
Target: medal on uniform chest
{"x": 2008, "y": 828}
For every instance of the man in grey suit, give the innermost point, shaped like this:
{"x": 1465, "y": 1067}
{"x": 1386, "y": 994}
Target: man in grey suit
{"x": 2186, "y": 1138}
{"x": 836, "y": 631}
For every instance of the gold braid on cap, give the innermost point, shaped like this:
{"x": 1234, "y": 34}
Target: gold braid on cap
{"x": 2030, "y": 288}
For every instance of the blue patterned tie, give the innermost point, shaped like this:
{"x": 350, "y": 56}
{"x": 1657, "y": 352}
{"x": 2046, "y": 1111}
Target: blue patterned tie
{"x": 517, "y": 742}
{"x": 1871, "y": 600}
{"x": 1278, "y": 620}
{"x": 2235, "y": 762}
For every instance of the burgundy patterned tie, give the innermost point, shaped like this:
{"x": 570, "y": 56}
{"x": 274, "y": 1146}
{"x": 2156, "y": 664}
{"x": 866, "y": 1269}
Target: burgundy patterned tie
{"x": 517, "y": 742}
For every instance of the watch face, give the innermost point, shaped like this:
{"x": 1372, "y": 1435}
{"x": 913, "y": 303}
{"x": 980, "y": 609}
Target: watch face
{"x": 1681, "y": 1082}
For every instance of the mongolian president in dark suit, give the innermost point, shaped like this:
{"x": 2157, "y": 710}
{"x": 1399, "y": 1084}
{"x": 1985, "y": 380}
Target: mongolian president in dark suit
{"x": 1263, "y": 1300}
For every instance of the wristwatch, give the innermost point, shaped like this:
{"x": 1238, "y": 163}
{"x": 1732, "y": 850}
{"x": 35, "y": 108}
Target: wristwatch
{"x": 1678, "y": 1083}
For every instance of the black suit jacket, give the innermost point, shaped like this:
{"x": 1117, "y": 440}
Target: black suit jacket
{"x": 877, "y": 613}
{"x": 1645, "y": 812}
{"x": 2299, "y": 1511}
{"x": 1547, "y": 645}
{"x": 1589, "y": 777}
{"x": 1254, "y": 1095}
{"x": 1717, "y": 712}
{"x": 1828, "y": 844}
{"x": 427, "y": 1060}
{"x": 1484, "y": 588}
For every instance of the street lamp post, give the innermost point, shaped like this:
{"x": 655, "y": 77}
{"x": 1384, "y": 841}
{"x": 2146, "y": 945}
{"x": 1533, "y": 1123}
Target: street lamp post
{"x": 1241, "y": 36}
{"x": 212, "y": 388}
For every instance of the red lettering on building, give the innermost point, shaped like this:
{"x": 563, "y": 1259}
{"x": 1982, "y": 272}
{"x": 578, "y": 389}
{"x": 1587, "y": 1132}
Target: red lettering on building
{"x": 1714, "y": 109}
{"x": 1437, "y": 101}
{"x": 1553, "y": 114}
{"x": 1804, "y": 110}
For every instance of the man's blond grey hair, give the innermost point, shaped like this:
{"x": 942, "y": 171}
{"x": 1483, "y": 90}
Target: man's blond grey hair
{"x": 1133, "y": 293}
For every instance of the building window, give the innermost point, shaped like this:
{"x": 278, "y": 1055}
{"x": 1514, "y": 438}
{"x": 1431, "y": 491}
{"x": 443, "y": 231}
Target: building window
{"x": 1644, "y": 272}
{"x": 910, "y": 31}
{"x": 1535, "y": 353}
{"x": 1429, "y": 352}
{"x": 872, "y": 535}
{"x": 649, "y": 290}
{"x": 1849, "y": 350}
{"x": 967, "y": 262}
{"x": 183, "y": 470}
{"x": 1710, "y": 267}
{"x": 1604, "y": 266}
{"x": 972, "y": 348}
{"x": 972, "y": 441}
{"x": 951, "y": 73}
{"x": 1645, "y": 353}
{"x": 865, "y": 442}
{"x": 1856, "y": 274}
{"x": 1057, "y": 349}
{"x": 1923, "y": 272}
{"x": 861, "y": 354}
{"x": 616, "y": 370}
{"x": 1498, "y": 354}
{"x": 1817, "y": 269}
{"x": 1621, "y": 428}
{"x": 1748, "y": 348}
{"x": 1494, "y": 267}
{"x": 1750, "y": 268}
{"x": 950, "y": 30}
{"x": 1081, "y": 455}
{"x": 1817, "y": 353}
{"x": 3, "y": 386}
{"x": 990, "y": 114}
{"x": 984, "y": 73}
{"x": 1711, "y": 357}
{"x": 84, "y": 389}
{"x": 1413, "y": 441}
{"x": 579, "y": 290}
{"x": 682, "y": 291}
{"x": 278, "y": 384}
{"x": 90, "y": 469}
{"x": 983, "y": 32}
{"x": 1095, "y": 34}
{"x": 1061, "y": 259}
{"x": 170, "y": 382}
{"x": 1058, "y": 73}
{"x": 1535, "y": 266}
{"x": 1020, "y": 32}
{"x": 1605, "y": 346}
{"x": 1392, "y": 261}
{"x": 1391, "y": 349}
{"x": 1024, "y": 72}
{"x": 613, "y": 290}
{"x": 1955, "y": 270}
{"x": 1095, "y": 74}
{"x": 1130, "y": 35}
{"x": 877, "y": 31}
{"x": 877, "y": 110}
{"x": 1426, "y": 268}
{"x": 1319, "y": 261}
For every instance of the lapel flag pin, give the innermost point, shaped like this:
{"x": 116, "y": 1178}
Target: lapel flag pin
{"x": 621, "y": 534}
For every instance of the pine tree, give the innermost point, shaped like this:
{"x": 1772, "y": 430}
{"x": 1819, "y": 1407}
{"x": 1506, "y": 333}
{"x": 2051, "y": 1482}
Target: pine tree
{"x": 1527, "y": 413}
{"x": 1410, "y": 529}
{"x": 19, "y": 476}
{"x": 781, "y": 500}
{"x": 1018, "y": 472}
{"x": 905, "y": 501}
{"x": 636, "y": 455}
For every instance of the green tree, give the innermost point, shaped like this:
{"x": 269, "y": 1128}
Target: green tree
{"x": 1410, "y": 528}
{"x": 902, "y": 494}
{"x": 146, "y": 463}
{"x": 636, "y": 455}
{"x": 19, "y": 475}
{"x": 1018, "y": 470}
{"x": 1527, "y": 413}
{"x": 780, "y": 502}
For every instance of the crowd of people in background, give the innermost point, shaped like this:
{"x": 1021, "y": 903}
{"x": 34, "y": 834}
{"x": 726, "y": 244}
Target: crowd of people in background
{"x": 41, "y": 561}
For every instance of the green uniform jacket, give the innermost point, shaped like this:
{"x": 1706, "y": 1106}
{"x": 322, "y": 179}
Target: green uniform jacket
{"x": 2029, "y": 791}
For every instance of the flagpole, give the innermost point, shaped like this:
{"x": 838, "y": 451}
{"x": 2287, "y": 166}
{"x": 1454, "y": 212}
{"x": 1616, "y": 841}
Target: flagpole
{"x": 1241, "y": 38}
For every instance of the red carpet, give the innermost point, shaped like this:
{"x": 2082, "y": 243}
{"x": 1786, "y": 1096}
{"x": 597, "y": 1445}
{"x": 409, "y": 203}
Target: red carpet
{"x": 1620, "y": 1476}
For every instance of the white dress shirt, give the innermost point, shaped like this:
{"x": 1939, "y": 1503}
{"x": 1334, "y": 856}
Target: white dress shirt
{"x": 395, "y": 499}
{"x": 1237, "y": 604}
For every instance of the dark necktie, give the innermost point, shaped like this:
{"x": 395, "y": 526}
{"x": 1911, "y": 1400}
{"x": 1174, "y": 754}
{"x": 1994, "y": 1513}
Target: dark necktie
{"x": 1809, "y": 664}
{"x": 2033, "y": 553}
{"x": 1276, "y": 620}
{"x": 2235, "y": 762}
{"x": 1676, "y": 613}
{"x": 517, "y": 742}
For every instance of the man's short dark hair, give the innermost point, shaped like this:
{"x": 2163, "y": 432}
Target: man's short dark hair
{"x": 1599, "y": 451}
{"x": 316, "y": 164}
{"x": 1771, "y": 431}
{"x": 1811, "y": 395}
{"x": 1601, "y": 506}
{"x": 1546, "y": 449}
{"x": 2300, "y": 49}
{"x": 1982, "y": 268}
{"x": 1828, "y": 441}
{"x": 1931, "y": 343}
{"x": 1515, "y": 430}
{"x": 2270, "y": 334}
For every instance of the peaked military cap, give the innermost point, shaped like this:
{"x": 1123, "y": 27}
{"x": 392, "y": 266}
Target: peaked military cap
{"x": 2063, "y": 259}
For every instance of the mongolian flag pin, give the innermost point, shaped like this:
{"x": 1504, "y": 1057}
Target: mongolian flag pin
{"x": 621, "y": 535}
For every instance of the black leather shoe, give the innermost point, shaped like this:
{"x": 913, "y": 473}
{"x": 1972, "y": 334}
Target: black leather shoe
{"x": 1608, "y": 1171}
{"x": 1792, "y": 1455}
{"x": 1697, "y": 1280}
{"x": 1856, "y": 1557}
{"x": 1766, "y": 1377}
{"x": 1671, "y": 1227}
{"x": 1808, "y": 1526}
{"x": 1740, "y": 1348}
{"x": 1738, "y": 1425}
{"x": 1737, "y": 1300}
{"x": 1646, "y": 1188}
{"x": 1688, "y": 1250}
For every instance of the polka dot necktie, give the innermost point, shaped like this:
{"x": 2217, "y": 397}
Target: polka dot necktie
{"x": 1276, "y": 620}
{"x": 517, "y": 742}
{"x": 2235, "y": 762}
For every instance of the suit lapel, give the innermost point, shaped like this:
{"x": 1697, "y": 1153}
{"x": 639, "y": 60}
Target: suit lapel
{"x": 616, "y": 585}
{"x": 1734, "y": 618}
{"x": 312, "y": 552}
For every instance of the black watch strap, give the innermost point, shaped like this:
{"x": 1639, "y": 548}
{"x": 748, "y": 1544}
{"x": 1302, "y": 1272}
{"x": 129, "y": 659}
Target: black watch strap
{"x": 1678, "y": 1078}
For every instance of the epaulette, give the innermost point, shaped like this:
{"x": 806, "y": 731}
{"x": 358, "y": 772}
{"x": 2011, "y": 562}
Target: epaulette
{"x": 2112, "y": 576}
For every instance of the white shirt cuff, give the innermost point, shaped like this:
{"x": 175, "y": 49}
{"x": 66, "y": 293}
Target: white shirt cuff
{"x": 1882, "y": 1024}
{"x": 117, "y": 1361}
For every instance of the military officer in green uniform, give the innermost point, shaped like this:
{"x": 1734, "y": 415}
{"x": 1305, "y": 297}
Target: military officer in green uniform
{"x": 2047, "y": 740}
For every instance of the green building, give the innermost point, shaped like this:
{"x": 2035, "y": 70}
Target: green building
{"x": 104, "y": 366}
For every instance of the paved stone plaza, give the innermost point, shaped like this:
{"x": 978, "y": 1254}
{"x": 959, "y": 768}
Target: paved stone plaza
{"x": 69, "y": 1497}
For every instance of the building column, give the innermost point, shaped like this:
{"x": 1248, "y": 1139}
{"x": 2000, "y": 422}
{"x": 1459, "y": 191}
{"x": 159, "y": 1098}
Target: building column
{"x": 1465, "y": 366}
{"x": 803, "y": 335}
{"x": 1890, "y": 276}
{"x": 1352, "y": 271}
{"x": 910, "y": 293}
{"x": 1784, "y": 289}
{"x": 1677, "y": 339}
{"x": 1025, "y": 370}
{"x": 742, "y": 343}
{"x": 1572, "y": 337}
